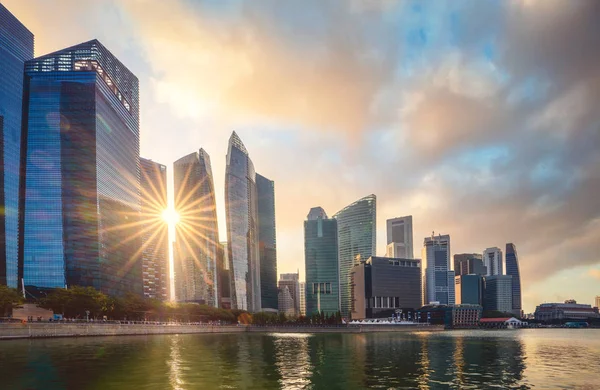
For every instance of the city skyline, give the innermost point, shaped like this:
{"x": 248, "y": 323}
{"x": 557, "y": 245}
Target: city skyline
{"x": 548, "y": 231}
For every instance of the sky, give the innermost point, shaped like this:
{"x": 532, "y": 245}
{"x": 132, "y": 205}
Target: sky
{"x": 478, "y": 118}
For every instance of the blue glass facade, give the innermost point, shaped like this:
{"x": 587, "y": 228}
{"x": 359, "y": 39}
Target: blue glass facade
{"x": 267, "y": 242}
{"x": 321, "y": 262}
{"x": 16, "y": 47}
{"x": 80, "y": 199}
{"x": 512, "y": 269}
{"x": 356, "y": 242}
{"x": 196, "y": 277}
{"x": 241, "y": 209}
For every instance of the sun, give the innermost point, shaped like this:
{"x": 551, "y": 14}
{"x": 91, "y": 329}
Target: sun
{"x": 170, "y": 216}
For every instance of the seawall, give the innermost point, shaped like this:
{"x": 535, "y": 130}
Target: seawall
{"x": 46, "y": 330}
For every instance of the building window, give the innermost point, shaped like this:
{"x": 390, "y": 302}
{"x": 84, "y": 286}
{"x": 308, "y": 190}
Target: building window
{"x": 327, "y": 288}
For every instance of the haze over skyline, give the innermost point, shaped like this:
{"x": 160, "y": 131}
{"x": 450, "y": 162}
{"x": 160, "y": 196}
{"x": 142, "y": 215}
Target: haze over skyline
{"x": 478, "y": 119}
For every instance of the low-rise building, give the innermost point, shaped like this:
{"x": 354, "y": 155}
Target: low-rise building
{"x": 384, "y": 286}
{"x": 452, "y": 316}
{"x": 569, "y": 310}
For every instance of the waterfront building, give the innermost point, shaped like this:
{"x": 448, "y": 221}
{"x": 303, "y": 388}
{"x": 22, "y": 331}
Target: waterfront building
{"x": 155, "y": 231}
{"x": 451, "y": 316}
{"x": 512, "y": 269}
{"x": 197, "y": 232}
{"x": 16, "y": 47}
{"x": 497, "y": 295}
{"x": 241, "y": 209}
{"x": 80, "y": 197}
{"x": 267, "y": 242}
{"x": 286, "y": 302}
{"x": 292, "y": 281}
{"x": 438, "y": 283}
{"x": 469, "y": 289}
{"x": 302, "y": 298}
{"x": 569, "y": 310}
{"x": 321, "y": 263}
{"x": 469, "y": 263}
{"x": 381, "y": 286}
{"x": 400, "y": 237}
{"x": 492, "y": 259}
{"x": 224, "y": 277}
{"x": 356, "y": 227}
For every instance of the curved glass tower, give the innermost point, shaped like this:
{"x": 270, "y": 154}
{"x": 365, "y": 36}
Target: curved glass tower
{"x": 512, "y": 269}
{"x": 16, "y": 47}
{"x": 196, "y": 276}
{"x": 356, "y": 225}
{"x": 241, "y": 208}
{"x": 80, "y": 199}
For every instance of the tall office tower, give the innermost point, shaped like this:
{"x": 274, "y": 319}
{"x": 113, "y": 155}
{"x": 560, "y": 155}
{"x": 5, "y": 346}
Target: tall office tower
{"x": 321, "y": 263}
{"x": 498, "y": 293}
{"x": 285, "y": 302}
{"x": 197, "y": 232}
{"x": 400, "y": 238}
{"x": 155, "y": 231}
{"x": 292, "y": 282}
{"x": 302, "y": 298}
{"x": 356, "y": 226}
{"x": 512, "y": 269}
{"x": 438, "y": 283}
{"x": 267, "y": 244}
{"x": 383, "y": 285}
{"x": 16, "y": 47}
{"x": 469, "y": 289}
{"x": 492, "y": 259}
{"x": 224, "y": 277}
{"x": 597, "y": 301}
{"x": 80, "y": 199}
{"x": 241, "y": 207}
{"x": 469, "y": 263}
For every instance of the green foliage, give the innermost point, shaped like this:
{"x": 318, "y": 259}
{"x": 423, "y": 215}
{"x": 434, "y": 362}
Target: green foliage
{"x": 9, "y": 299}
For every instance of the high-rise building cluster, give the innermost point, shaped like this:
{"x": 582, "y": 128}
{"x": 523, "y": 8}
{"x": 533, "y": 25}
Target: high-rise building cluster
{"x": 82, "y": 208}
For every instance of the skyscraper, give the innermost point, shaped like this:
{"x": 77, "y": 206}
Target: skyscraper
{"x": 224, "y": 277}
{"x": 292, "y": 283}
{"x": 438, "y": 284}
{"x": 512, "y": 269}
{"x": 241, "y": 208}
{"x": 469, "y": 263}
{"x": 267, "y": 243}
{"x": 321, "y": 263}
{"x": 80, "y": 200}
{"x": 197, "y": 231}
{"x": 597, "y": 303}
{"x": 356, "y": 227}
{"x": 492, "y": 259}
{"x": 400, "y": 237}
{"x": 155, "y": 231}
{"x": 469, "y": 289}
{"x": 498, "y": 293}
{"x": 16, "y": 47}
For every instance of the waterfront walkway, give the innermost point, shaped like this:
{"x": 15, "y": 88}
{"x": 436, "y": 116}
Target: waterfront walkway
{"x": 69, "y": 329}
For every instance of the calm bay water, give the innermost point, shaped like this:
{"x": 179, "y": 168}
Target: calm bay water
{"x": 548, "y": 358}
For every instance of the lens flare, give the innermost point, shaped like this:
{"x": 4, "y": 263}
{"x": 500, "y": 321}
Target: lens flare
{"x": 170, "y": 216}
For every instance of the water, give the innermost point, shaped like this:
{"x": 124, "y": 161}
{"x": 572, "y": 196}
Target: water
{"x": 544, "y": 359}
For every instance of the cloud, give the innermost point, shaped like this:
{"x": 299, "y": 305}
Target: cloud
{"x": 594, "y": 273}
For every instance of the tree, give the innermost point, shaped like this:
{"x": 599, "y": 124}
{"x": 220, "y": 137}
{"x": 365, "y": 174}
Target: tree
{"x": 76, "y": 301}
{"x": 9, "y": 299}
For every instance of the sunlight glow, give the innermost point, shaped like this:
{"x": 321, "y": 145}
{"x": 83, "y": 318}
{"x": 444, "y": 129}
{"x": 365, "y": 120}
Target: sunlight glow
{"x": 170, "y": 216}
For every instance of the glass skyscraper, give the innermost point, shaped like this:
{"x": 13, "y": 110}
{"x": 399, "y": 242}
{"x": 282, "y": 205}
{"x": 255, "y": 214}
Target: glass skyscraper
{"x": 356, "y": 227}
{"x": 80, "y": 199}
{"x": 321, "y": 263}
{"x": 241, "y": 208}
{"x": 512, "y": 269}
{"x": 197, "y": 233}
{"x": 439, "y": 283}
{"x": 155, "y": 231}
{"x": 16, "y": 47}
{"x": 267, "y": 242}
